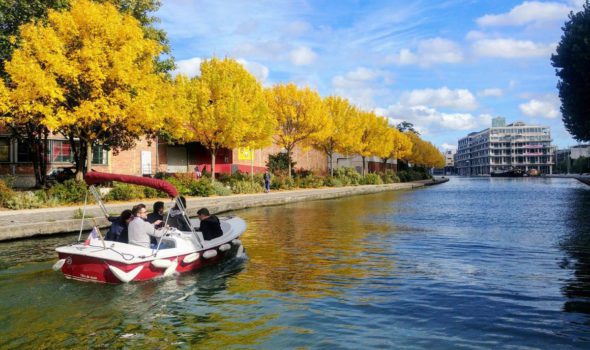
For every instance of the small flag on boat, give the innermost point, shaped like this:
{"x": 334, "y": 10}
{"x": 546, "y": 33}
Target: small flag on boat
{"x": 93, "y": 236}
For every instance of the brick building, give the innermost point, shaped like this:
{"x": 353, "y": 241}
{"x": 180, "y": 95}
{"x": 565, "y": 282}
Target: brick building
{"x": 148, "y": 158}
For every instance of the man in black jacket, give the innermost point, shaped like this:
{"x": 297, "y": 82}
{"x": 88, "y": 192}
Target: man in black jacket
{"x": 210, "y": 225}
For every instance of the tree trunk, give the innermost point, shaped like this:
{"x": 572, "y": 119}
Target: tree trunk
{"x": 330, "y": 156}
{"x": 252, "y": 166}
{"x": 289, "y": 160}
{"x": 363, "y": 165}
{"x": 213, "y": 165}
{"x": 88, "y": 157}
{"x": 384, "y": 165}
{"x": 44, "y": 156}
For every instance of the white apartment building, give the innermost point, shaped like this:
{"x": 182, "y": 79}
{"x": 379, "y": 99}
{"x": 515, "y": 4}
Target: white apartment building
{"x": 505, "y": 147}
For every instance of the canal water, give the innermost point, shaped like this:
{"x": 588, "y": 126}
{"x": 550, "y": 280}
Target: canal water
{"x": 476, "y": 263}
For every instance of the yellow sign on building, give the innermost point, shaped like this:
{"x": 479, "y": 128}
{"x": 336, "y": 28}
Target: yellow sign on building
{"x": 245, "y": 154}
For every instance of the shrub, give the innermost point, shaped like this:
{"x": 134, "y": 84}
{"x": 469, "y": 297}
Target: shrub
{"x": 280, "y": 182}
{"x": 8, "y": 180}
{"x": 6, "y": 193}
{"x": 348, "y": 176}
{"x": 246, "y": 186}
{"x": 70, "y": 191}
{"x": 309, "y": 181}
{"x": 149, "y": 192}
{"x": 413, "y": 174}
{"x": 200, "y": 188}
{"x": 125, "y": 192}
{"x": 372, "y": 179}
{"x": 332, "y": 182}
{"x": 389, "y": 177}
{"x": 221, "y": 189}
{"x": 24, "y": 200}
{"x": 279, "y": 163}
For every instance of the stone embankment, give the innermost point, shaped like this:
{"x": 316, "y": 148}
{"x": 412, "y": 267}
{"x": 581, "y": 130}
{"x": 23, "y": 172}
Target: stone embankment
{"x": 48, "y": 221}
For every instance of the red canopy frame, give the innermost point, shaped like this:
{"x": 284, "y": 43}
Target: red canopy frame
{"x": 95, "y": 177}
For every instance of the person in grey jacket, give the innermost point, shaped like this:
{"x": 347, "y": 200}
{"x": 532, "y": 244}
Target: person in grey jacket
{"x": 140, "y": 230}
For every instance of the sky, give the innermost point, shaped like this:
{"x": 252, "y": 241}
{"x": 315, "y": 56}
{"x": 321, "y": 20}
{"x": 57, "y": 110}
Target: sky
{"x": 446, "y": 66}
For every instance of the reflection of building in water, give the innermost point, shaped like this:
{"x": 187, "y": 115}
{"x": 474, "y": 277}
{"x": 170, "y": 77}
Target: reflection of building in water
{"x": 450, "y": 161}
{"x": 577, "y": 246}
{"x": 505, "y": 147}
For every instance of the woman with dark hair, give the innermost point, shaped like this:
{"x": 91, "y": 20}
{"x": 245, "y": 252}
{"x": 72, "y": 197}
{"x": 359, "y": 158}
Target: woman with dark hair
{"x": 177, "y": 219}
{"x": 118, "y": 230}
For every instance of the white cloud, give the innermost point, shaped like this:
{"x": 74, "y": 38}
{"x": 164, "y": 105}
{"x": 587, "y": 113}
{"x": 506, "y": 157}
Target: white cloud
{"x": 510, "y": 48}
{"x": 362, "y": 85}
{"x": 476, "y": 35}
{"x": 536, "y": 108}
{"x": 190, "y": 67}
{"x": 302, "y": 56}
{"x": 444, "y": 97}
{"x": 492, "y": 92}
{"x": 427, "y": 119}
{"x": 529, "y": 12}
{"x": 429, "y": 52}
{"x": 297, "y": 28}
{"x": 448, "y": 146}
{"x": 256, "y": 69}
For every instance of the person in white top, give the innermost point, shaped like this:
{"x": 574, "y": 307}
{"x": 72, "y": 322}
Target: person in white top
{"x": 140, "y": 230}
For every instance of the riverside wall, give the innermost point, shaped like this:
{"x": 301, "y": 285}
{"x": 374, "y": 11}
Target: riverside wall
{"x": 49, "y": 221}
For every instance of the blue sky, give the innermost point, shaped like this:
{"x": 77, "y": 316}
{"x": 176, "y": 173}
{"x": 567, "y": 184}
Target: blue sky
{"x": 447, "y": 66}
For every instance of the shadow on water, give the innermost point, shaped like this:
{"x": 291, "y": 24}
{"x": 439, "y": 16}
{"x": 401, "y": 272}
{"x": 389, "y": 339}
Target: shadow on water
{"x": 577, "y": 246}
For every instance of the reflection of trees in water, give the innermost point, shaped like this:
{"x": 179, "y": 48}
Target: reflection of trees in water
{"x": 304, "y": 247}
{"x": 577, "y": 246}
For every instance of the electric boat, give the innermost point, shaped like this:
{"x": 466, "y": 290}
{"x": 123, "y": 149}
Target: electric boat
{"x": 103, "y": 261}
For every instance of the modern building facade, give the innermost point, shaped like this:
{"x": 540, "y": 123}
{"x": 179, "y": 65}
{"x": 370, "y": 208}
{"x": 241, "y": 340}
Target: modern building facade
{"x": 505, "y": 147}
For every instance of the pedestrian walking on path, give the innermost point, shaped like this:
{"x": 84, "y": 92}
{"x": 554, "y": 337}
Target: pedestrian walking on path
{"x": 266, "y": 178}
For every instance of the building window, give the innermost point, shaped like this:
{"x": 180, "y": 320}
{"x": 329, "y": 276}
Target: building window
{"x": 99, "y": 155}
{"x": 4, "y": 150}
{"x": 22, "y": 153}
{"x": 60, "y": 152}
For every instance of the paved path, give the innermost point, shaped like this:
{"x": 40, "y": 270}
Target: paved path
{"x": 34, "y": 222}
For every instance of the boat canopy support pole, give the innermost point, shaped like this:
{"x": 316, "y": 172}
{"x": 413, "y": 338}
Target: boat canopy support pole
{"x": 96, "y": 195}
{"x": 83, "y": 216}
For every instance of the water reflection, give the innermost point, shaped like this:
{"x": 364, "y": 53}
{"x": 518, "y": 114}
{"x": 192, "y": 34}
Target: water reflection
{"x": 305, "y": 248}
{"x": 576, "y": 244}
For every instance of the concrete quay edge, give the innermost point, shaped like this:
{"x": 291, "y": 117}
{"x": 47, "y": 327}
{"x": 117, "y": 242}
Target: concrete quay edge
{"x": 28, "y": 223}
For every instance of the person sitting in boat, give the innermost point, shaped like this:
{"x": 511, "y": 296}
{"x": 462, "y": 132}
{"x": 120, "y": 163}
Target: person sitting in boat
{"x": 157, "y": 214}
{"x": 176, "y": 218}
{"x": 210, "y": 225}
{"x": 118, "y": 230}
{"x": 140, "y": 230}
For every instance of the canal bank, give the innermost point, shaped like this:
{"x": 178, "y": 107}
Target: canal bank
{"x": 48, "y": 221}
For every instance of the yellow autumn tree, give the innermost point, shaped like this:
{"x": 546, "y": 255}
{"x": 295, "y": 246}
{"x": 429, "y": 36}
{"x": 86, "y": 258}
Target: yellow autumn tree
{"x": 32, "y": 95}
{"x": 424, "y": 153}
{"x": 401, "y": 145}
{"x": 227, "y": 108}
{"x": 173, "y": 108}
{"x": 302, "y": 118}
{"x": 374, "y": 140}
{"x": 344, "y": 133}
{"x": 100, "y": 70}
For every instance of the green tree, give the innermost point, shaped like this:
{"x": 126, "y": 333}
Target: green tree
{"x": 406, "y": 126}
{"x": 572, "y": 63}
